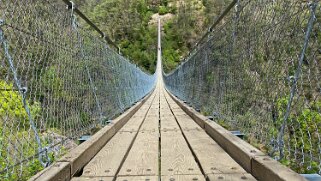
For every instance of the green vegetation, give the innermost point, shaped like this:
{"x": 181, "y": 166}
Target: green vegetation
{"x": 301, "y": 131}
{"x": 12, "y": 106}
{"x": 132, "y": 25}
{"x": 11, "y": 141}
{"x": 302, "y": 124}
{"x": 12, "y": 109}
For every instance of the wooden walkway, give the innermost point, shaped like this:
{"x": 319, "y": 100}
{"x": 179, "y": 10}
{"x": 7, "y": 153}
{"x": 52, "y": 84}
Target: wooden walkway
{"x": 161, "y": 142}
{"x": 156, "y": 139}
{"x": 162, "y": 139}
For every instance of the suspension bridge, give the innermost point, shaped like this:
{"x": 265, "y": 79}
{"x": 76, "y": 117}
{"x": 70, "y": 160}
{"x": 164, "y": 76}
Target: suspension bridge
{"x": 244, "y": 105}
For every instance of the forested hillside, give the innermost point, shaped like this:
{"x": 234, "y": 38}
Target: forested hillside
{"x": 132, "y": 25}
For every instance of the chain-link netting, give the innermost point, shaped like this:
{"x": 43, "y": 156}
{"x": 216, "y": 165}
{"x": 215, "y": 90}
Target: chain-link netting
{"x": 258, "y": 71}
{"x": 58, "y": 81}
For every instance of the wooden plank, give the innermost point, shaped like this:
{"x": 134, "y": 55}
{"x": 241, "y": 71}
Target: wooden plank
{"x": 238, "y": 149}
{"x": 145, "y": 107}
{"x": 152, "y": 116}
{"x": 138, "y": 178}
{"x": 154, "y": 108}
{"x": 109, "y": 158}
{"x": 165, "y": 109}
{"x": 148, "y": 103}
{"x": 168, "y": 98}
{"x": 230, "y": 177}
{"x": 132, "y": 125}
{"x": 168, "y": 123}
{"x": 198, "y": 136}
{"x": 173, "y": 105}
{"x": 183, "y": 178}
{"x": 212, "y": 158}
{"x": 266, "y": 169}
{"x": 143, "y": 157}
{"x": 179, "y": 113}
{"x": 170, "y": 101}
{"x": 57, "y": 171}
{"x": 92, "y": 178}
{"x": 176, "y": 109}
{"x": 196, "y": 116}
{"x": 187, "y": 123}
{"x": 153, "y": 112}
{"x": 150, "y": 124}
{"x": 166, "y": 115}
{"x": 83, "y": 153}
{"x": 140, "y": 113}
{"x": 163, "y": 105}
{"x": 176, "y": 157}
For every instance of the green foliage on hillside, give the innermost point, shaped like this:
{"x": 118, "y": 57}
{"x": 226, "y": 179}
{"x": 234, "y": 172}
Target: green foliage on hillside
{"x": 307, "y": 119}
{"x": 12, "y": 106}
{"x": 12, "y": 109}
{"x": 132, "y": 26}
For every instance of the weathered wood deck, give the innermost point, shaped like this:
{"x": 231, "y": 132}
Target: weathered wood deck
{"x": 161, "y": 138}
{"x": 161, "y": 142}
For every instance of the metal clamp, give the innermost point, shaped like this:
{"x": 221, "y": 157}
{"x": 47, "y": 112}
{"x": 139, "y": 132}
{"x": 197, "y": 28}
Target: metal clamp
{"x": 71, "y": 5}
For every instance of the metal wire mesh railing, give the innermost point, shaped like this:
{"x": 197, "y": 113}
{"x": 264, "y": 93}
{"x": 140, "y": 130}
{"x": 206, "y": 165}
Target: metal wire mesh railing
{"x": 258, "y": 70}
{"x": 58, "y": 80}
